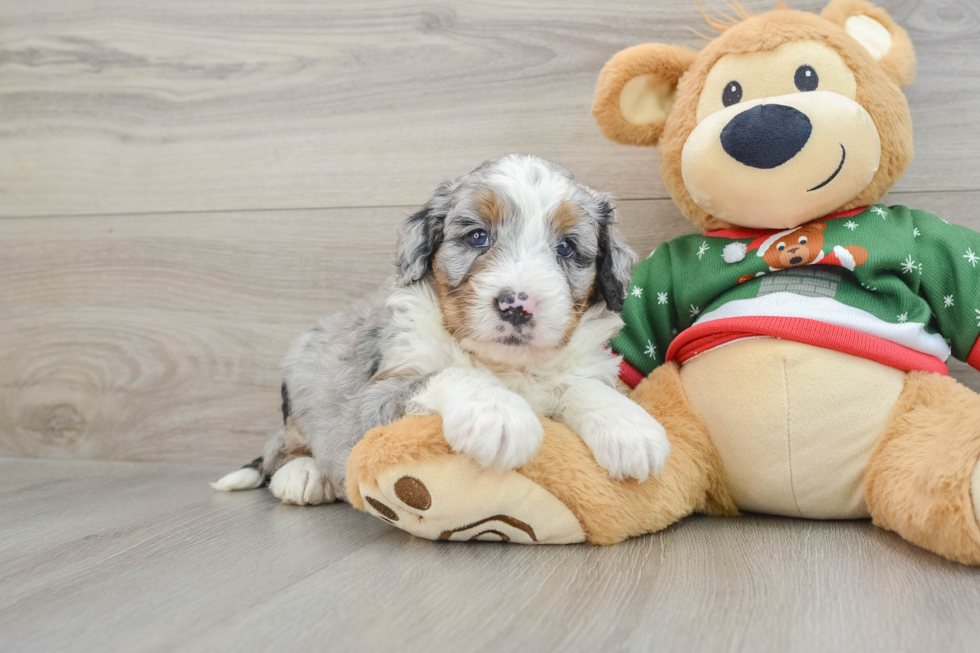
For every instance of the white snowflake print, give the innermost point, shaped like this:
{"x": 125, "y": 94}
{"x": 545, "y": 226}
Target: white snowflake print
{"x": 695, "y": 310}
{"x": 970, "y": 257}
{"x": 904, "y": 317}
{"x": 948, "y": 301}
{"x": 651, "y": 350}
{"x": 637, "y": 291}
{"x": 916, "y": 233}
{"x": 909, "y": 266}
{"x": 674, "y": 331}
{"x": 850, "y": 224}
{"x": 701, "y": 250}
{"x": 978, "y": 316}
{"x": 879, "y": 211}
{"x": 661, "y": 298}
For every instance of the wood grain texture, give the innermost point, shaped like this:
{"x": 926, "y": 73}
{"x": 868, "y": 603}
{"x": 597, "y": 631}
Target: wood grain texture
{"x": 138, "y": 107}
{"x": 158, "y": 338}
{"x": 145, "y": 557}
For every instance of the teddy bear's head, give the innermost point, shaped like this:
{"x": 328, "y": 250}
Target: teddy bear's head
{"x": 785, "y": 117}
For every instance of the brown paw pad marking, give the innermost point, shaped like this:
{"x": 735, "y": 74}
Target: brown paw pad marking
{"x": 382, "y": 509}
{"x": 506, "y": 519}
{"x": 413, "y": 493}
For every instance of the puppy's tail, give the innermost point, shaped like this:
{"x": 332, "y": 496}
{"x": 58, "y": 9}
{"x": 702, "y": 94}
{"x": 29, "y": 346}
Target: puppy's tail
{"x": 248, "y": 477}
{"x": 258, "y": 472}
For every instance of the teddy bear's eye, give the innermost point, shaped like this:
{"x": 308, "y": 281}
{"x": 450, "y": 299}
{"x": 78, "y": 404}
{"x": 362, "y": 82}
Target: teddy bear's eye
{"x": 732, "y": 94}
{"x": 806, "y": 78}
{"x": 781, "y": 246}
{"x": 803, "y": 240}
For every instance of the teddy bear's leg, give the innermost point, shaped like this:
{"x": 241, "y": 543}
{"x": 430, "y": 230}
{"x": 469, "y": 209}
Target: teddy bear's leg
{"x": 406, "y": 474}
{"x": 919, "y": 476}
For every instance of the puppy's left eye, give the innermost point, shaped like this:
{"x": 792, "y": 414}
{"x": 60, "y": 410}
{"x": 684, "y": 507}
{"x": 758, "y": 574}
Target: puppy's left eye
{"x": 565, "y": 249}
{"x": 477, "y": 238}
{"x": 803, "y": 240}
{"x": 806, "y": 78}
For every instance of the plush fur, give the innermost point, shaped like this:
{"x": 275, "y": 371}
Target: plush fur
{"x": 878, "y": 92}
{"x": 918, "y": 478}
{"x": 920, "y": 474}
{"x": 609, "y": 510}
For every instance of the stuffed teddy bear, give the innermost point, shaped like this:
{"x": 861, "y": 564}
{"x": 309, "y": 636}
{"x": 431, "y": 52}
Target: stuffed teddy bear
{"x": 794, "y": 350}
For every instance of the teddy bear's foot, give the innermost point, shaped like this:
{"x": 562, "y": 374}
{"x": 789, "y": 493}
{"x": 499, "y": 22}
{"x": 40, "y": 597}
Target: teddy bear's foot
{"x": 453, "y": 498}
{"x": 408, "y": 476}
{"x": 922, "y": 480}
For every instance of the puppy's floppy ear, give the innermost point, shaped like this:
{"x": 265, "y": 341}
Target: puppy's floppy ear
{"x": 636, "y": 91}
{"x": 874, "y": 29}
{"x": 421, "y": 235}
{"x": 615, "y": 261}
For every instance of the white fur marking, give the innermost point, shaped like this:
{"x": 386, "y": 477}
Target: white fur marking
{"x": 299, "y": 482}
{"x": 624, "y": 439}
{"x": 246, "y": 478}
{"x": 482, "y": 418}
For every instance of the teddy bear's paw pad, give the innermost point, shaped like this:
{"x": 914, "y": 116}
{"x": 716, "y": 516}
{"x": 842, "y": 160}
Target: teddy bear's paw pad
{"x": 454, "y": 499}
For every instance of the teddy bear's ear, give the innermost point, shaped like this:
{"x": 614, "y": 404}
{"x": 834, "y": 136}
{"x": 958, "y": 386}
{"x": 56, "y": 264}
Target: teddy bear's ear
{"x": 874, "y": 29}
{"x": 636, "y": 90}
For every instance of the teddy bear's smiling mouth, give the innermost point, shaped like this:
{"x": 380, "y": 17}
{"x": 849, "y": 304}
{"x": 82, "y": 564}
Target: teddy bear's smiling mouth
{"x": 843, "y": 155}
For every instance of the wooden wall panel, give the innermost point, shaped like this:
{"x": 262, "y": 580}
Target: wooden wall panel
{"x": 198, "y": 105}
{"x": 159, "y": 337}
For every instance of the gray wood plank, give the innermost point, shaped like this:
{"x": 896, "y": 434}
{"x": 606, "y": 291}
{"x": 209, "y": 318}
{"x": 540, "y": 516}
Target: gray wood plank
{"x": 159, "y": 337}
{"x": 145, "y": 557}
{"x": 136, "y": 107}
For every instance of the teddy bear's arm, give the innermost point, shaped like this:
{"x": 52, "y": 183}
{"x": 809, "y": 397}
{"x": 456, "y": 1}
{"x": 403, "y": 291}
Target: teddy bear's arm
{"x": 947, "y": 258}
{"x": 650, "y": 313}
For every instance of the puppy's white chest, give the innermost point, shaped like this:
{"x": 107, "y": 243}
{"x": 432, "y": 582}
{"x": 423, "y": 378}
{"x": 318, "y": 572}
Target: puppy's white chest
{"x": 542, "y": 393}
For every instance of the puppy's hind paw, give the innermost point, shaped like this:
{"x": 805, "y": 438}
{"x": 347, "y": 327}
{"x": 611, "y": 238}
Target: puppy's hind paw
{"x": 298, "y": 482}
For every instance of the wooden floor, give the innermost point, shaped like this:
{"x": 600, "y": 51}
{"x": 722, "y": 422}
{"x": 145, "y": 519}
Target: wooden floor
{"x": 114, "y": 556}
{"x": 187, "y": 185}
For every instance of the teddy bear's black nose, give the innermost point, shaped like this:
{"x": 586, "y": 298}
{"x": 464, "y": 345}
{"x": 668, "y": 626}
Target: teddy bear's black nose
{"x": 766, "y": 136}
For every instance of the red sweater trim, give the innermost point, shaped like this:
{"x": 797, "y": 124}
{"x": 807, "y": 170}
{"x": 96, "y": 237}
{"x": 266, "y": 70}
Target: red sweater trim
{"x": 738, "y": 234}
{"x": 973, "y": 360}
{"x": 629, "y": 374}
{"x": 708, "y": 335}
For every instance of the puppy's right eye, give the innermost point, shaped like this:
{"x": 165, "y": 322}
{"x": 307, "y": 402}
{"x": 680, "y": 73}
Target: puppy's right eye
{"x": 732, "y": 94}
{"x": 781, "y": 246}
{"x": 477, "y": 238}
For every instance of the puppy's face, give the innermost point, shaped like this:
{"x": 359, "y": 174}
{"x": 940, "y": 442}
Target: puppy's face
{"x": 516, "y": 252}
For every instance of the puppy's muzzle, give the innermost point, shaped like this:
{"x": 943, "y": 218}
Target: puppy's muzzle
{"x": 515, "y": 308}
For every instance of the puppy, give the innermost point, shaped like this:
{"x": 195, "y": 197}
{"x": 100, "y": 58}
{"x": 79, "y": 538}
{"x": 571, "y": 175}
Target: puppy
{"x": 507, "y": 290}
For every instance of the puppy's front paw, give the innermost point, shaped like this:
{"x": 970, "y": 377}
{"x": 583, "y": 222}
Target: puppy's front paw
{"x": 494, "y": 427}
{"x": 299, "y": 482}
{"x": 626, "y": 441}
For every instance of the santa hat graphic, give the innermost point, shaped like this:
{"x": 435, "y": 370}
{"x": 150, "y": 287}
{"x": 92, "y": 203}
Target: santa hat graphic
{"x": 735, "y": 252}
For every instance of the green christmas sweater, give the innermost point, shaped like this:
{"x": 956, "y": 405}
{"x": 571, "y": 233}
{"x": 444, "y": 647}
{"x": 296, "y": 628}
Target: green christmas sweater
{"x": 895, "y": 285}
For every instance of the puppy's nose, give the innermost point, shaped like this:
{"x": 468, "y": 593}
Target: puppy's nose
{"x": 515, "y": 307}
{"x": 766, "y": 136}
